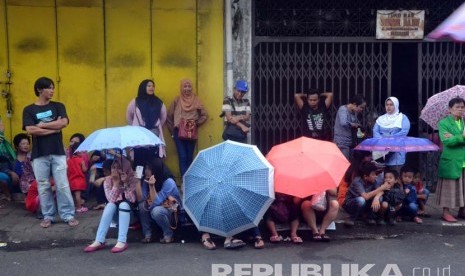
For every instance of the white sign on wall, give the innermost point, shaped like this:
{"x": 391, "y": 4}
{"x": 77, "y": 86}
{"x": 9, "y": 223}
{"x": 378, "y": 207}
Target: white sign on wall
{"x": 400, "y": 24}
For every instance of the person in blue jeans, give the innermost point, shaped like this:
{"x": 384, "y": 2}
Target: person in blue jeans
{"x": 160, "y": 203}
{"x": 410, "y": 206}
{"x": 364, "y": 195}
{"x": 120, "y": 190}
{"x": 44, "y": 120}
{"x": 185, "y": 115}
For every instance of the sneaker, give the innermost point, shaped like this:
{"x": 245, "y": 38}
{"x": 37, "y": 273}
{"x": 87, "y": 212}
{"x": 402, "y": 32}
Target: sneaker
{"x": 349, "y": 222}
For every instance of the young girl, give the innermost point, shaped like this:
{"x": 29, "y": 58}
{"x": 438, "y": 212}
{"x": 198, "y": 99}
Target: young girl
{"x": 77, "y": 179}
{"x": 392, "y": 198}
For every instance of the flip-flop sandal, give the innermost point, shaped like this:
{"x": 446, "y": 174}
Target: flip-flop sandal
{"x": 73, "y": 222}
{"x": 146, "y": 239}
{"x": 276, "y": 239}
{"x": 208, "y": 244}
{"x": 424, "y": 215}
{"x": 98, "y": 207}
{"x": 166, "y": 240}
{"x": 297, "y": 240}
{"x": 325, "y": 238}
{"x": 418, "y": 220}
{"x": 316, "y": 237}
{"x": 46, "y": 223}
{"x": 234, "y": 244}
{"x": 259, "y": 243}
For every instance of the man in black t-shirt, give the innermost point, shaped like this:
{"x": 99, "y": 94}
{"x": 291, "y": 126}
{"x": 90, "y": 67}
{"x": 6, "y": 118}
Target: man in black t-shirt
{"x": 314, "y": 114}
{"x": 44, "y": 120}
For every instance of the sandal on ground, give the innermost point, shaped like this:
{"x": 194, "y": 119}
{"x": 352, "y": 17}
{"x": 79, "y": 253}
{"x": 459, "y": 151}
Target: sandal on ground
{"x": 259, "y": 243}
{"x": 73, "y": 222}
{"x": 99, "y": 207}
{"x": 167, "y": 240}
{"x": 46, "y": 223}
{"x": 316, "y": 237}
{"x": 423, "y": 214}
{"x": 418, "y": 220}
{"x": 276, "y": 239}
{"x": 208, "y": 244}
{"x": 449, "y": 218}
{"x": 296, "y": 240}
{"x": 83, "y": 209}
{"x": 325, "y": 238}
{"x": 146, "y": 239}
{"x": 234, "y": 244}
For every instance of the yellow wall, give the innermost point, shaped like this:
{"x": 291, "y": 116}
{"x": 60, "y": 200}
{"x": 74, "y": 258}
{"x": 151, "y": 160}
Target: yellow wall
{"x": 98, "y": 51}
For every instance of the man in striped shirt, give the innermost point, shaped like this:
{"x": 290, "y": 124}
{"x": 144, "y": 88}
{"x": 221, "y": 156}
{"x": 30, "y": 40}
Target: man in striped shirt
{"x": 236, "y": 112}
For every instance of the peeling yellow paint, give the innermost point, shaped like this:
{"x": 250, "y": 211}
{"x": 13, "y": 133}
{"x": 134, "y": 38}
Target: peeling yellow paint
{"x": 98, "y": 52}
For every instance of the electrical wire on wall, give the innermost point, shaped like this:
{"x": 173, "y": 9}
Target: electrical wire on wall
{"x": 6, "y": 90}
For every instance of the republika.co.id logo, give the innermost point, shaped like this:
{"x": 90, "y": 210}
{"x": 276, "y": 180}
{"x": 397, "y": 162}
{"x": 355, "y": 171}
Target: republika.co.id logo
{"x": 324, "y": 270}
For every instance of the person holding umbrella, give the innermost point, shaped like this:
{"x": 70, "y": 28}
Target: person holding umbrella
{"x": 392, "y": 124}
{"x": 451, "y": 185}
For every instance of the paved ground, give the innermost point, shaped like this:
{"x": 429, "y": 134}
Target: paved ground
{"x": 20, "y": 229}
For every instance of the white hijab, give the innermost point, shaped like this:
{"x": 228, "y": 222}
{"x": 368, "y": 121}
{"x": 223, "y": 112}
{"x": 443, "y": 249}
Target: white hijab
{"x": 391, "y": 120}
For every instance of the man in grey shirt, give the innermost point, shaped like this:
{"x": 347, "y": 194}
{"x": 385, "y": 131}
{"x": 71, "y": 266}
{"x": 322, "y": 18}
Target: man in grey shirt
{"x": 347, "y": 121}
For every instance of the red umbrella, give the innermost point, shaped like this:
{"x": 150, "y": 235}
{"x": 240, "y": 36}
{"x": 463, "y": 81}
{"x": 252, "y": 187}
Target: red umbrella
{"x": 306, "y": 166}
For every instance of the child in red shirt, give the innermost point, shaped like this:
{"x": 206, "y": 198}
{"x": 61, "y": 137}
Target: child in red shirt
{"x": 77, "y": 179}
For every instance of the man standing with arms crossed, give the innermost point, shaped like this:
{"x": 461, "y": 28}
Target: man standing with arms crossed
{"x": 44, "y": 120}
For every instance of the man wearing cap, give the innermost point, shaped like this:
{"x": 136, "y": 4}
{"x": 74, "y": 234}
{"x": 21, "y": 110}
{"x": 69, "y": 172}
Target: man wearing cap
{"x": 236, "y": 112}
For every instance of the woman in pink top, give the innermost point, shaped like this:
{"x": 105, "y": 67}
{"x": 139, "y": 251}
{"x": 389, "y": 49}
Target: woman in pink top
{"x": 120, "y": 190}
{"x": 147, "y": 110}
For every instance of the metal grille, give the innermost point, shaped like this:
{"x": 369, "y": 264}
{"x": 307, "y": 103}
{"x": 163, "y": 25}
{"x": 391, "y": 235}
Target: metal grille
{"x": 347, "y": 18}
{"x": 442, "y": 65}
{"x": 282, "y": 69}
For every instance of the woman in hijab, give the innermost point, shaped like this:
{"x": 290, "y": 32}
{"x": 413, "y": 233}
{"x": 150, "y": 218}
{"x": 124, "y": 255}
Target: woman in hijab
{"x": 393, "y": 123}
{"x": 120, "y": 190}
{"x": 161, "y": 201}
{"x": 186, "y": 109}
{"x": 147, "y": 110}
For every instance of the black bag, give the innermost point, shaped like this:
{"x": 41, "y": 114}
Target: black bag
{"x": 234, "y": 133}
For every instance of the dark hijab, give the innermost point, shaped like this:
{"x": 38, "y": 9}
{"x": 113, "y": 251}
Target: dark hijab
{"x": 149, "y": 106}
{"x": 160, "y": 172}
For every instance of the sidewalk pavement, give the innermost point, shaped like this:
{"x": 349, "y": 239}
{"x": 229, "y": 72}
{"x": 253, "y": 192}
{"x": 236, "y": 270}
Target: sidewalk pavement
{"x": 21, "y": 230}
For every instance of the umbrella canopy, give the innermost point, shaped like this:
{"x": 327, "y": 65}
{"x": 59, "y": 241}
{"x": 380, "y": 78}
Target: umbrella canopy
{"x": 437, "y": 106}
{"x": 397, "y": 144}
{"x": 228, "y": 188}
{"x": 119, "y": 137}
{"x": 306, "y": 166}
{"x": 453, "y": 27}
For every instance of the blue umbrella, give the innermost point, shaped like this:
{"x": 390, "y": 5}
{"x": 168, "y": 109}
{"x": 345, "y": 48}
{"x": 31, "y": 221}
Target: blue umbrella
{"x": 119, "y": 138}
{"x": 228, "y": 188}
{"x": 397, "y": 144}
